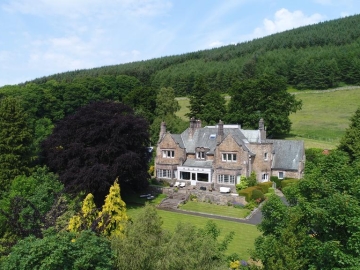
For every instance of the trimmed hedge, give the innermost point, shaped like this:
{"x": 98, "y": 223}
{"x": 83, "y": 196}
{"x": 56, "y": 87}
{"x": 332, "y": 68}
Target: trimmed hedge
{"x": 257, "y": 194}
{"x": 265, "y": 186}
{"x": 247, "y": 192}
{"x": 288, "y": 182}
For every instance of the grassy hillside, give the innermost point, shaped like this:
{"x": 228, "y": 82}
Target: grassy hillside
{"x": 323, "y": 119}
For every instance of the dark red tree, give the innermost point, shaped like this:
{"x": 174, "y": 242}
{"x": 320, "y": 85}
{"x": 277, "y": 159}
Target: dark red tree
{"x": 97, "y": 144}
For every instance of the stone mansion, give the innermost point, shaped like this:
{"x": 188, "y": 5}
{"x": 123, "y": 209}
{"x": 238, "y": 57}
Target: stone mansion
{"x": 217, "y": 156}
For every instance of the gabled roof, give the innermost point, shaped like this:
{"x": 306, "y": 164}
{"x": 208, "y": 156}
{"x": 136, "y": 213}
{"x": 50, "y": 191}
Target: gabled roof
{"x": 177, "y": 138}
{"x": 207, "y": 137}
{"x": 287, "y": 154}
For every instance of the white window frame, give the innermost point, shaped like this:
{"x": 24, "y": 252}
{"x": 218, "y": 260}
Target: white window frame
{"x": 168, "y": 153}
{"x": 266, "y": 156}
{"x": 265, "y": 177}
{"x": 228, "y": 157}
{"x": 226, "y": 179}
{"x": 283, "y": 175}
{"x": 200, "y": 155}
{"x": 161, "y": 173}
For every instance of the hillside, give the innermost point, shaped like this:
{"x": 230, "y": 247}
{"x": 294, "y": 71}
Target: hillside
{"x": 319, "y": 56}
{"x": 323, "y": 118}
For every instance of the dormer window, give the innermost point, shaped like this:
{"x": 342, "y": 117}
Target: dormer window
{"x": 168, "y": 153}
{"x": 200, "y": 155}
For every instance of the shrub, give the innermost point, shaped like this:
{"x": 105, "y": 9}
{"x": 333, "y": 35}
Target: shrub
{"x": 265, "y": 186}
{"x": 276, "y": 180}
{"x": 257, "y": 194}
{"x": 287, "y": 182}
{"x": 243, "y": 184}
{"x": 193, "y": 197}
{"x": 252, "y": 179}
{"x": 247, "y": 192}
{"x": 271, "y": 190}
{"x": 251, "y": 205}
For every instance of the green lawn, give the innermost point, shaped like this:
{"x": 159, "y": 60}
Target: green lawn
{"x": 244, "y": 234}
{"x": 221, "y": 210}
{"x": 323, "y": 119}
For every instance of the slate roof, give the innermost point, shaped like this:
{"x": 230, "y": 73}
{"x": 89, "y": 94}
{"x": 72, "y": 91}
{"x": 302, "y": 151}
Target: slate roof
{"x": 207, "y": 137}
{"x": 198, "y": 163}
{"x": 287, "y": 154}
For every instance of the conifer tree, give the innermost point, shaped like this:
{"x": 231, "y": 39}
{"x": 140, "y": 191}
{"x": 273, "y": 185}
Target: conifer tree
{"x": 110, "y": 221}
{"x": 15, "y": 141}
{"x": 350, "y": 143}
{"x": 113, "y": 214}
{"x": 85, "y": 219}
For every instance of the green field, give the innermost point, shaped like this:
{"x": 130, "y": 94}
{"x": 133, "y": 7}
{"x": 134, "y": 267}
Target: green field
{"x": 323, "y": 119}
{"x": 220, "y": 210}
{"x": 244, "y": 234}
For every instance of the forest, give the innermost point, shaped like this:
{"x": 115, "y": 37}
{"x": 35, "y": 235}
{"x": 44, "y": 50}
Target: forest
{"x": 72, "y": 143}
{"x": 317, "y": 56}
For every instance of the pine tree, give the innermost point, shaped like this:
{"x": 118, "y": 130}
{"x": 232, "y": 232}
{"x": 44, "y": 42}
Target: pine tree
{"x": 15, "y": 141}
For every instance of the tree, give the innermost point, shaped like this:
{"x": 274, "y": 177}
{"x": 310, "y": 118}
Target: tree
{"x": 265, "y": 98}
{"x": 166, "y": 107}
{"x": 320, "y": 228}
{"x": 208, "y": 106}
{"x": 15, "y": 142}
{"x": 350, "y": 143}
{"x": 97, "y": 144}
{"x": 147, "y": 246}
{"x": 64, "y": 250}
{"x": 166, "y": 102}
{"x": 197, "y": 102}
{"x": 24, "y": 208}
{"x": 113, "y": 213}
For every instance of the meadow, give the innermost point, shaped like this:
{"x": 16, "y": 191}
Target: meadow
{"x": 323, "y": 119}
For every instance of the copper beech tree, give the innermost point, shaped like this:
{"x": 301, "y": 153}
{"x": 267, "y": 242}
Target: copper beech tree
{"x": 97, "y": 144}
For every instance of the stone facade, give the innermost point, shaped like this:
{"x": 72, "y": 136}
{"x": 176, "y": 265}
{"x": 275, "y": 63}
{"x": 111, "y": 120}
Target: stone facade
{"x": 218, "y": 156}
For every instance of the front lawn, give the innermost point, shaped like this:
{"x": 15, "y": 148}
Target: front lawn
{"x": 242, "y": 242}
{"x": 221, "y": 210}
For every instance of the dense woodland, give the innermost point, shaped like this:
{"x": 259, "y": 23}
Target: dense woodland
{"x": 318, "y": 56}
{"x": 68, "y": 142}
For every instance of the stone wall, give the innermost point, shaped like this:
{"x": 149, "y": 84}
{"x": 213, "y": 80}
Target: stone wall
{"x": 207, "y": 196}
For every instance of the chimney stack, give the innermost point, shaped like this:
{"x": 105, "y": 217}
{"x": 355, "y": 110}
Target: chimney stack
{"x": 220, "y": 135}
{"x": 162, "y": 130}
{"x": 262, "y": 130}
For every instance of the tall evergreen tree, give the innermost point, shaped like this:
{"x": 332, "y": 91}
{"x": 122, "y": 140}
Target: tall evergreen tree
{"x": 15, "y": 141}
{"x": 350, "y": 143}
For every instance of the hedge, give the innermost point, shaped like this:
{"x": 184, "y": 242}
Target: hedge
{"x": 247, "y": 192}
{"x": 288, "y": 182}
{"x": 265, "y": 186}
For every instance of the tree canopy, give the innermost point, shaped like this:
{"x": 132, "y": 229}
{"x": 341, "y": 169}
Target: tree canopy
{"x": 15, "y": 141}
{"x": 265, "y": 98}
{"x": 97, "y": 144}
{"x": 320, "y": 229}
